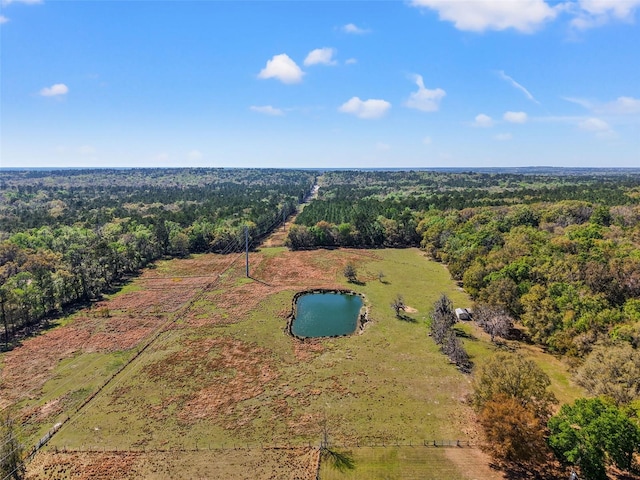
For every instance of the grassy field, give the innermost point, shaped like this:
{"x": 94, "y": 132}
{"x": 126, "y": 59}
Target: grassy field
{"x": 218, "y": 371}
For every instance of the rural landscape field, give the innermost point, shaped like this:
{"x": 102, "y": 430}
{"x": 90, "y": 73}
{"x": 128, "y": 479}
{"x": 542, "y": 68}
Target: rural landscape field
{"x": 320, "y": 240}
{"x": 148, "y": 338}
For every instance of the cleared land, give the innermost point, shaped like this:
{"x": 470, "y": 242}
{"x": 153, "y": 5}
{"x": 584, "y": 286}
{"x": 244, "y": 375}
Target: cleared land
{"x": 205, "y": 379}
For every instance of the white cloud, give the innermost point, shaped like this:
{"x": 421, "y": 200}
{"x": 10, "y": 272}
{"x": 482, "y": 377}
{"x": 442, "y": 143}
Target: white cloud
{"x": 427, "y": 140}
{"x": 54, "y": 90}
{"x": 483, "y": 121}
{"x": 594, "y": 125}
{"x": 354, "y": 29}
{"x": 621, "y": 106}
{"x": 162, "y": 157}
{"x": 503, "y": 137}
{"x": 480, "y": 15}
{"x": 597, "y": 126}
{"x": 195, "y": 155}
{"x": 424, "y": 99}
{"x": 351, "y": 61}
{"x": 594, "y": 13}
{"x": 383, "y": 146}
{"x": 3, "y": 19}
{"x": 515, "y": 117}
{"x": 28, "y": 2}
{"x": 267, "y": 110}
{"x": 283, "y": 68}
{"x": 321, "y": 56}
{"x": 367, "y": 109}
{"x": 515, "y": 84}
{"x": 579, "y": 101}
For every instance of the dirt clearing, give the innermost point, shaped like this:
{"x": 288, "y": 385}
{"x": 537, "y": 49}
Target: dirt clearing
{"x": 258, "y": 464}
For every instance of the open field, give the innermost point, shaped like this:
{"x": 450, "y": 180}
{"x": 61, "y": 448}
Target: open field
{"x": 199, "y": 362}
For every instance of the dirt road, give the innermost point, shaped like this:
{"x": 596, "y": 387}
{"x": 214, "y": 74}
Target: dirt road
{"x": 278, "y": 237}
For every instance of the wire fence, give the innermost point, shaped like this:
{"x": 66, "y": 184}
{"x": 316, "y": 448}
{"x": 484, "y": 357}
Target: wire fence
{"x": 228, "y": 446}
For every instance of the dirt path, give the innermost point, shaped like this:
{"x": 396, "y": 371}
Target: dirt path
{"x": 278, "y": 237}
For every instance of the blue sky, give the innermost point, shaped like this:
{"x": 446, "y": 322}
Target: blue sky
{"x": 423, "y": 83}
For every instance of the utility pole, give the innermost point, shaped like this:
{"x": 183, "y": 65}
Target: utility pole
{"x": 246, "y": 247}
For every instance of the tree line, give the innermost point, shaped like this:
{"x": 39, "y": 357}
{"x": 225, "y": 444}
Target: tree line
{"x": 568, "y": 269}
{"x": 524, "y": 431}
{"x": 97, "y": 227}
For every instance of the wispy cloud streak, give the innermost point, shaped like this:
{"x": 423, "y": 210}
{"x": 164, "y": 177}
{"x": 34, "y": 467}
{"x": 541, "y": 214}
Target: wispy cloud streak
{"x": 515, "y": 84}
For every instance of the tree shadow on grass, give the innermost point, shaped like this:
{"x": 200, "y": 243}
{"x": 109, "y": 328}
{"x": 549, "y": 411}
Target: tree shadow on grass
{"x": 118, "y": 285}
{"x": 548, "y": 469}
{"x": 405, "y": 318}
{"x": 462, "y": 334}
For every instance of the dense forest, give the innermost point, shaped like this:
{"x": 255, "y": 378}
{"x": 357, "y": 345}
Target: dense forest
{"x": 68, "y": 236}
{"x": 555, "y": 253}
{"x": 560, "y": 253}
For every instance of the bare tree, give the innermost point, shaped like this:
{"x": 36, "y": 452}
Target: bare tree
{"x": 443, "y": 318}
{"x": 493, "y": 320}
{"x": 350, "y": 273}
{"x": 453, "y": 348}
{"x": 398, "y": 305}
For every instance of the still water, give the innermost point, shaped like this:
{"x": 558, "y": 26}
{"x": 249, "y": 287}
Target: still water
{"x": 326, "y": 314}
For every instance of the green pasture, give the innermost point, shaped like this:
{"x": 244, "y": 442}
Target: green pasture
{"x": 412, "y": 462}
{"x": 387, "y": 384}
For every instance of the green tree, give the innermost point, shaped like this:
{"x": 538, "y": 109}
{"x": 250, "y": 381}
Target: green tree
{"x": 516, "y": 377}
{"x": 592, "y": 434}
{"x": 612, "y": 371}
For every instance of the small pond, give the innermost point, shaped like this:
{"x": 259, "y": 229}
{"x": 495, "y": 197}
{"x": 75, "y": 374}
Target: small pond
{"x": 326, "y": 314}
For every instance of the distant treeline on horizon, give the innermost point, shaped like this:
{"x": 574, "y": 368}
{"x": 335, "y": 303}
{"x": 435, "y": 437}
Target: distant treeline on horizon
{"x": 540, "y": 170}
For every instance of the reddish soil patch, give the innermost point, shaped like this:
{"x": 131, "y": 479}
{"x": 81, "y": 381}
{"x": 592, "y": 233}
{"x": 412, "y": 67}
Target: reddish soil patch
{"x": 159, "y": 295}
{"x": 279, "y": 235}
{"x": 49, "y": 410}
{"x": 29, "y": 366}
{"x": 112, "y": 325}
{"x": 193, "y": 267}
{"x": 306, "y": 350}
{"x": 259, "y": 464}
{"x": 231, "y": 304}
{"x": 241, "y": 372}
{"x": 286, "y": 271}
{"x": 306, "y": 269}
{"x": 84, "y": 466}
